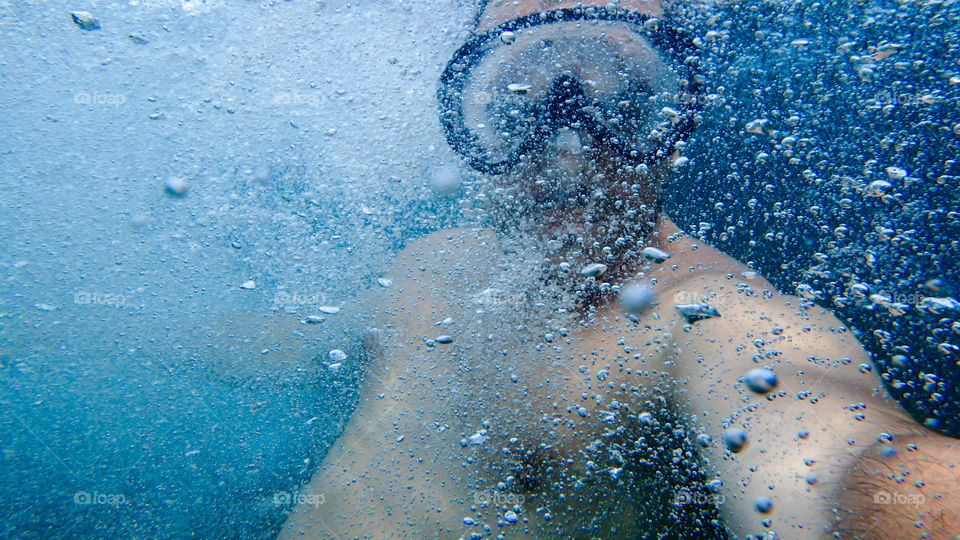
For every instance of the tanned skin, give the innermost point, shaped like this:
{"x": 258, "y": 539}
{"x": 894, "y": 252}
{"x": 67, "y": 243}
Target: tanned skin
{"x": 843, "y": 458}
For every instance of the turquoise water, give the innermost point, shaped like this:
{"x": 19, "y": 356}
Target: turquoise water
{"x": 149, "y": 389}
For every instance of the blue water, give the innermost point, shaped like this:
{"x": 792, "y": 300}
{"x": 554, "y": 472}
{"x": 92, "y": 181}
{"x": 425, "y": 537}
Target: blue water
{"x": 136, "y": 399}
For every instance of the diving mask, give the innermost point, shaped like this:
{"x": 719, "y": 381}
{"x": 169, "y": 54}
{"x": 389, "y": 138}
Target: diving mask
{"x": 624, "y": 78}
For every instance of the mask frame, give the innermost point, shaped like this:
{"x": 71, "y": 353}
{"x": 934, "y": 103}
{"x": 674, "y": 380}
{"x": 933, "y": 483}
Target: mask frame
{"x": 674, "y": 44}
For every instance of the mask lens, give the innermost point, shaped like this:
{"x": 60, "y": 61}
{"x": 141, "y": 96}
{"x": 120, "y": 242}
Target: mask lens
{"x": 624, "y": 87}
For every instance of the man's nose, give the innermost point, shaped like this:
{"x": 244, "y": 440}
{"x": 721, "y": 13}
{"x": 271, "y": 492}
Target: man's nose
{"x": 568, "y": 151}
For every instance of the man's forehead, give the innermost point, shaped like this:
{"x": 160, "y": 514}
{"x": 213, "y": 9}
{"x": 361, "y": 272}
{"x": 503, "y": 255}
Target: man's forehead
{"x": 500, "y": 11}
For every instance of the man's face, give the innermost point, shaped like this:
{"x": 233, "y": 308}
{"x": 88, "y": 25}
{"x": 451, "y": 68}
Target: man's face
{"x": 574, "y": 179}
{"x": 573, "y": 183}
{"x": 575, "y": 109}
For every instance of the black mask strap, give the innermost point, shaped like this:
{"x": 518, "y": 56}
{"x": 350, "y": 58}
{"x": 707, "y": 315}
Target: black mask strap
{"x": 481, "y": 7}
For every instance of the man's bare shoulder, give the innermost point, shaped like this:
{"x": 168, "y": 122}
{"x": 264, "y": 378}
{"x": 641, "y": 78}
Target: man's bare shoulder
{"x": 430, "y": 271}
{"x": 774, "y": 365}
{"x": 747, "y": 322}
{"x": 739, "y": 295}
{"x": 439, "y": 250}
{"x": 427, "y": 283}
{"x": 688, "y": 258}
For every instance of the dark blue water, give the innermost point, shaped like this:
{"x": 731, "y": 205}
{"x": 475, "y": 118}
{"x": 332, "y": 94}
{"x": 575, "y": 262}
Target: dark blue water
{"x": 846, "y": 91}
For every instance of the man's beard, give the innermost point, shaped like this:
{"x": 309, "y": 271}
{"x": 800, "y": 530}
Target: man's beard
{"x": 570, "y": 222}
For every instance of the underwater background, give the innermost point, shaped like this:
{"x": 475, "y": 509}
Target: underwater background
{"x": 158, "y": 376}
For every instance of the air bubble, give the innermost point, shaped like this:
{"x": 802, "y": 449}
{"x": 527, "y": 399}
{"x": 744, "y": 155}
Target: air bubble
{"x": 735, "y": 439}
{"x": 761, "y": 381}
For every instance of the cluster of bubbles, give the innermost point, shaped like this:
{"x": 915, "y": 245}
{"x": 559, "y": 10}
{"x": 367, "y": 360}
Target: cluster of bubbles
{"x": 843, "y": 197}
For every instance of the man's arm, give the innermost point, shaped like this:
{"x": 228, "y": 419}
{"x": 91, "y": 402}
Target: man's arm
{"x": 396, "y": 470}
{"x": 813, "y": 439}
